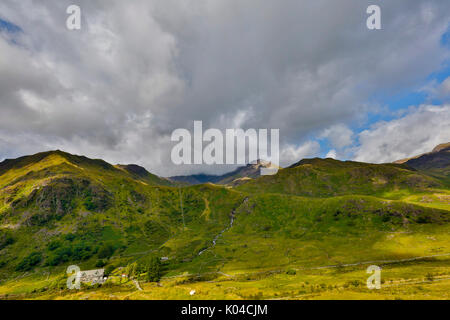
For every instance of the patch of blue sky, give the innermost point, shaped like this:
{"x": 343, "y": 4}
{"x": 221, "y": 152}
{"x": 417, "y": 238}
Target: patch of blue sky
{"x": 392, "y": 106}
{"x": 445, "y": 39}
{"x": 9, "y": 27}
{"x": 413, "y": 96}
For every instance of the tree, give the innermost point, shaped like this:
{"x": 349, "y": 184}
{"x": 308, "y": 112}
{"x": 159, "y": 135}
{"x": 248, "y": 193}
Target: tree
{"x": 5, "y": 239}
{"x": 154, "y": 270}
{"x": 100, "y": 264}
{"x": 106, "y": 251}
{"x": 109, "y": 270}
{"x": 131, "y": 270}
{"x": 29, "y": 262}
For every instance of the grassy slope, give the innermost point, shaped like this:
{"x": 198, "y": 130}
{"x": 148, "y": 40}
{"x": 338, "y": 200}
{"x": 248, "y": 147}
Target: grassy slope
{"x": 272, "y": 233}
{"x": 328, "y": 178}
{"x": 58, "y": 195}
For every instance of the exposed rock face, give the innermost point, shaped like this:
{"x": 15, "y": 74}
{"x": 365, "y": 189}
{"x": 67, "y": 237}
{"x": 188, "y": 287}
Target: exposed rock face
{"x": 58, "y": 198}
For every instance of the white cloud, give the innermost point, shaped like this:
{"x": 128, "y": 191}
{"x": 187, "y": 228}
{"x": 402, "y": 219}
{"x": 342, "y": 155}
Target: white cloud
{"x": 438, "y": 90}
{"x": 331, "y": 154}
{"x": 138, "y": 70}
{"x": 419, "y": 131}
{"x": 445, "y": 88}
{"x": 339, "y": 135}
{"x": 291, "y": 154}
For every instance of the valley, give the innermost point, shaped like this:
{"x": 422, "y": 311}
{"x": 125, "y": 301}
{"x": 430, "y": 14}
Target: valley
{"x": 309, "y": 232}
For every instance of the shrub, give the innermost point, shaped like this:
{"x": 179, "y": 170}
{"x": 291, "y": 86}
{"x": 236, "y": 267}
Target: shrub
{"x": 131, "y": 270}
{"x": 81, "y": 251}
{"x": 70, "y": 237}
{"x": 59, "y": 256}
{"x": 29, "y": 262}
{"x": 291, "y": 272}
{"x": 5, "y": 240}
{"x": 100, "y": 264}
{"x": 54, "y": 245}
{"x": 154, "y": 270}
{"x": 109, "y": 270}
{"x": 70, "y": 252}
{"x": 106, "y": 251}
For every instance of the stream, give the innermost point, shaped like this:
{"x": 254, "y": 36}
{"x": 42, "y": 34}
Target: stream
{"x": 233, "y": 212}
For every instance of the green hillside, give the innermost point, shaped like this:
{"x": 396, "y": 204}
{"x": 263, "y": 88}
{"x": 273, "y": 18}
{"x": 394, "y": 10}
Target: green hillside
{"x": 303, "y": 231}
{"x": 329, "y": 178}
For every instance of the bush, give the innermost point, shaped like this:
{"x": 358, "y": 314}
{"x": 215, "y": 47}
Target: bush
{"x": 29, "y": 262}
{"x": 69, "y": 252}
{"x": 291, "y": 272}
{"x": 106, "y": 251}
{"x": 5, "y": 240}
{"x": 131, "y": 270}
{"x": 54, "y": 245}
{"x": 100, "y": 264}
{"x": 109, "y": 270}
{"x": 70, "y": 237}
{"x": 59, "y": 256}
{"x": 154, "y": 270}
{"x": 81, "y": 251}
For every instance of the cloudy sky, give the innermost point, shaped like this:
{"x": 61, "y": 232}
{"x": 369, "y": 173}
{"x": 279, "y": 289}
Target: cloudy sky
{"x": 137, "y": 70}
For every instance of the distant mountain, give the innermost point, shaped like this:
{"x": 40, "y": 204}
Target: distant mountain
{"x": 435, "y": 163}
{"x": 438, "y": 158}
{"x": 236, "y": 177}
{"x": 140, "y": 173}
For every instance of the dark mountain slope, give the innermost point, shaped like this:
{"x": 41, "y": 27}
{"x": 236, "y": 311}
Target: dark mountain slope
{"x": 435, "y": 163}
{"x": 140, "y": 173}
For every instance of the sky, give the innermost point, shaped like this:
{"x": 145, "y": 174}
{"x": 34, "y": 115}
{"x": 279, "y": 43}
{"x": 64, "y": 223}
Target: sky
{"x": 137, "y": 70}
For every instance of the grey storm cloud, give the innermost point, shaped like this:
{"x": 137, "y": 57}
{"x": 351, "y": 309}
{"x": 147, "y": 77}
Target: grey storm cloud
{"x": 137, "y": 70}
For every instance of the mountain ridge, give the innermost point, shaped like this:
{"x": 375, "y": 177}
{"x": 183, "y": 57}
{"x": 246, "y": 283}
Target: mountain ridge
{"x": 435, "y": 163}
{"x": 233, "y": 178}
{"x": 57, "y": 209}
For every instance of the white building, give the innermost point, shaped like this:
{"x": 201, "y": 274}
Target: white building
{"x": 93, "y": 276}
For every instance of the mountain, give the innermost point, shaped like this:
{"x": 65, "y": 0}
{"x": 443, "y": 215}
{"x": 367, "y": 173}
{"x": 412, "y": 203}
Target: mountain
{"x": 57, "y": 207}
{"x": 267, "y": 234}
{"x": 51, "y": 163}
{"x": 140, "y": 173}
{"x": 329, "y": 177}
{"x": 437, "y": 158}
{"x": 435, "y": 163}
{"x": 196, "y": 179}
{"x": 47, "y": 186}
{"x": 234, "y": 178}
